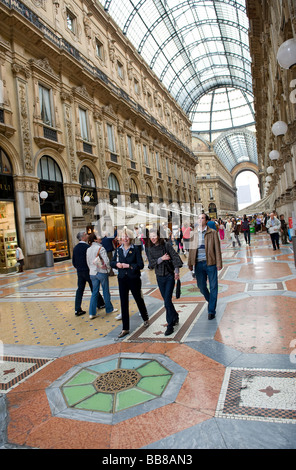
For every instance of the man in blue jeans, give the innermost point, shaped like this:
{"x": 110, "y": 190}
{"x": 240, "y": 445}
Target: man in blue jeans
{"x": 83, "y": 277}
{"x": 205, "y": 256}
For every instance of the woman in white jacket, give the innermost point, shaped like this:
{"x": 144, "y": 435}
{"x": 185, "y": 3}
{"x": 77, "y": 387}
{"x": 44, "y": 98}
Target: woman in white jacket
{"x": 274, "y": 226}
{"x": 99, "y": 265}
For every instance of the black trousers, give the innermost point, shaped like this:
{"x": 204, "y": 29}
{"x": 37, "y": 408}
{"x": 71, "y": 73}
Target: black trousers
{"x": 275, "y": 240}
{"x": 134, "y": 285}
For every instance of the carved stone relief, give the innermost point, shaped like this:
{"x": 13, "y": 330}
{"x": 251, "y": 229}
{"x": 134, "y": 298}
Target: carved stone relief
{"x": 70, "y": 140}
{"x": 25, "y": 127}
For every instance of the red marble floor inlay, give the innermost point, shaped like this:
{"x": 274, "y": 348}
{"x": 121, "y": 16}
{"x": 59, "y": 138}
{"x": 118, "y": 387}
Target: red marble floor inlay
{"x": 260, "y": 324}
{"x": 264, "y": 270}
{"x": 32, "y": 424}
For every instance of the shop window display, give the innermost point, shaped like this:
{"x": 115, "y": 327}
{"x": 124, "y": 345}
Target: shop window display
{"x": 8, "y": 237}
{"x": 56, "y": 235}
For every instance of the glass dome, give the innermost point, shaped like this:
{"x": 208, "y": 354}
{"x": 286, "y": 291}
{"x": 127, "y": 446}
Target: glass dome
{"x": 199, "y": 50}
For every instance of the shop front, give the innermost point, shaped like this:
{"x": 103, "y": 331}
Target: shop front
{"x": 8, "y": 232}
{"x": 53, "y": 208}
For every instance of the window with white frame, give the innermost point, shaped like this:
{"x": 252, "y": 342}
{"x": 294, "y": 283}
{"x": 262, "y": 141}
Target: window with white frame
{"x": 45, "y": 105}
{"x": 120, "y": 69}
{"x": 136, "y": 86}
{"x": 99, "y": 49}
{"x": 158, "y": 167}
{"x": 130, "y": 147}
{"x": 71, "y": 21}
{"x": 176, "y": 171}
{"x": 83, "y": 124}
{"x": 111, "y": 140}
{"x": 168, "y": 167}
{"x": 146, "y": 158}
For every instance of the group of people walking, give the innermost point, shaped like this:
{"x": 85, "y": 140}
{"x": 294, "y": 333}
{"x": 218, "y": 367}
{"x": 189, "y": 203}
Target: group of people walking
{"x": 276, "y": 227}
{"x": 93, "y": 266}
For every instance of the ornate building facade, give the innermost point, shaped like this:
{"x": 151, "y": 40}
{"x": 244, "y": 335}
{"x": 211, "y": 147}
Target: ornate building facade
{"x": 215, "y": 184}
{"x": 82, "y": 119}
{"x": 272, "y": 23}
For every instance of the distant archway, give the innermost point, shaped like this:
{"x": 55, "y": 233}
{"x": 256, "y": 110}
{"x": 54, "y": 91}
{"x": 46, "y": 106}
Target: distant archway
{"x": 247, "y": 184}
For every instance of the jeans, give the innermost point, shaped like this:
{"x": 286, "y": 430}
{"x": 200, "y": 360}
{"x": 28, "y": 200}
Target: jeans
{"x": 202, "y": 273}
{"x": 97, "y": 280}
{"x": 247, "y": 236}
{"x": 166, "y": 286}
{"x": 82, "y": 278}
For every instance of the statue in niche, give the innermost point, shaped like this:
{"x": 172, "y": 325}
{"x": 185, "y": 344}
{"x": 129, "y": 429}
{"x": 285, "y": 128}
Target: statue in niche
{"x": 111, "y": 43}
{"x": 87, "y": 26}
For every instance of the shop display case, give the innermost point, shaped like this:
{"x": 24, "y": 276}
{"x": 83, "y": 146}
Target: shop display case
{"x": 8, "y": 245}
{"x": 56, "y": 235}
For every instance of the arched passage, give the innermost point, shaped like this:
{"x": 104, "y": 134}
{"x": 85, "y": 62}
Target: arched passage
{"x": 247, "y": 184}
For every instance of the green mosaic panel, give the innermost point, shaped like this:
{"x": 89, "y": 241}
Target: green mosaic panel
{"x": 124, "y": 383}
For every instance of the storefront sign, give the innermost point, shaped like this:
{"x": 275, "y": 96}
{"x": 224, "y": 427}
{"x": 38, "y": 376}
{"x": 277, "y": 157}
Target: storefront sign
{"x": 6, "y": 187}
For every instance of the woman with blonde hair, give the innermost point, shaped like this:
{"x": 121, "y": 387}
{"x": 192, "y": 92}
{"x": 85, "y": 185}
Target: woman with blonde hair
{"x": 128, "y": 261}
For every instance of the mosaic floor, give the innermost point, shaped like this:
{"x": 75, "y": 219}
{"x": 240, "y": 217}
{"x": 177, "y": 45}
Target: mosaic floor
{"x": 68, "y": 382}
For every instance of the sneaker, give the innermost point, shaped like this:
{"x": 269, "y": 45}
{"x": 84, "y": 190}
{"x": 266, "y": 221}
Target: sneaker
{"x": 146, "y": 324}
{"x": 101, "y": 306}
{"x": 80, "y": 312}
{"x": 114, "y": 310}
{"x": 118, "y": 317}
{"x": 91, "y": 317}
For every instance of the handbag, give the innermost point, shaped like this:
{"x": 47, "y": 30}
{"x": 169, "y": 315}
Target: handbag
{"x": 99, "y": 262}
{"x": 178, "y": 289}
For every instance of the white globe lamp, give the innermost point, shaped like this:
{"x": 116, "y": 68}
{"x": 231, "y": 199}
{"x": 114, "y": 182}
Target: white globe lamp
{"x": 279, "y": 128}
{"x": 44, "y": 195}
{"x": 270, "y": 170}
{"x": 286, "y": 55}
{"x": 274, "y": 155}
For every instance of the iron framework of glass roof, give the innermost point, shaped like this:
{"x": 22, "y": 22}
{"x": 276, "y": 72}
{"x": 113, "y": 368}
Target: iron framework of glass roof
{"x": 199, "y": 50}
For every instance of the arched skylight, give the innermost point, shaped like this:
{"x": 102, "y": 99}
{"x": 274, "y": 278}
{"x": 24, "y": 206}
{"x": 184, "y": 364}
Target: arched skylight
{"x": 199, "y": 49}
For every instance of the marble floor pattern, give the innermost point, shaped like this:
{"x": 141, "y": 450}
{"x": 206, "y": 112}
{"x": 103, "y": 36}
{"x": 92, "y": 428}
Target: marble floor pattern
{"x": 67, "y": 382}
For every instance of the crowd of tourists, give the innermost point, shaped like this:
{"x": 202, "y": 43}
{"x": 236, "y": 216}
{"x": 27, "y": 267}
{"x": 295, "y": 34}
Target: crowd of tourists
{"x": 123, "y": 253}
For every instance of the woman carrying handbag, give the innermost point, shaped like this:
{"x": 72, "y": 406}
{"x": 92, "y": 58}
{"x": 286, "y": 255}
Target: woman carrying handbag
{"x": 166, "y": 262}
{"x": 98, "y": 263}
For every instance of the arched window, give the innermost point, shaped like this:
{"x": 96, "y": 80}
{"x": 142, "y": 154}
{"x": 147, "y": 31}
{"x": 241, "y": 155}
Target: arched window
{"x": 88, "y": 187}
{"x": 5, "y": 166}
{"x": 133, "y": 191}
{"x": 49, "y": 170}
{"x": 86, "y": 177}
{"x": 53, "y": 207}
{"x": 160, "y": 194}
{"x": 114, "y": 187}
{"x": 149, "y": 197}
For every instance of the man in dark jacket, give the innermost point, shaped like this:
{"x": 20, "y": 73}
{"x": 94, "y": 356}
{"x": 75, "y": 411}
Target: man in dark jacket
{"x": 80, "y": 264}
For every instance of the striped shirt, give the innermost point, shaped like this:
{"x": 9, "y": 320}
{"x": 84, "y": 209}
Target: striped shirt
{"x": 201, "y": 249}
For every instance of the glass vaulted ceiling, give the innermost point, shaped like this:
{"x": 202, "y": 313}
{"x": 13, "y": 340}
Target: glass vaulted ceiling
{"x": 199, "y": 49}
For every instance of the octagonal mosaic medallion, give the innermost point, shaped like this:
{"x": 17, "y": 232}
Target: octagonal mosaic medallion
{"x": 116, "y": 387}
